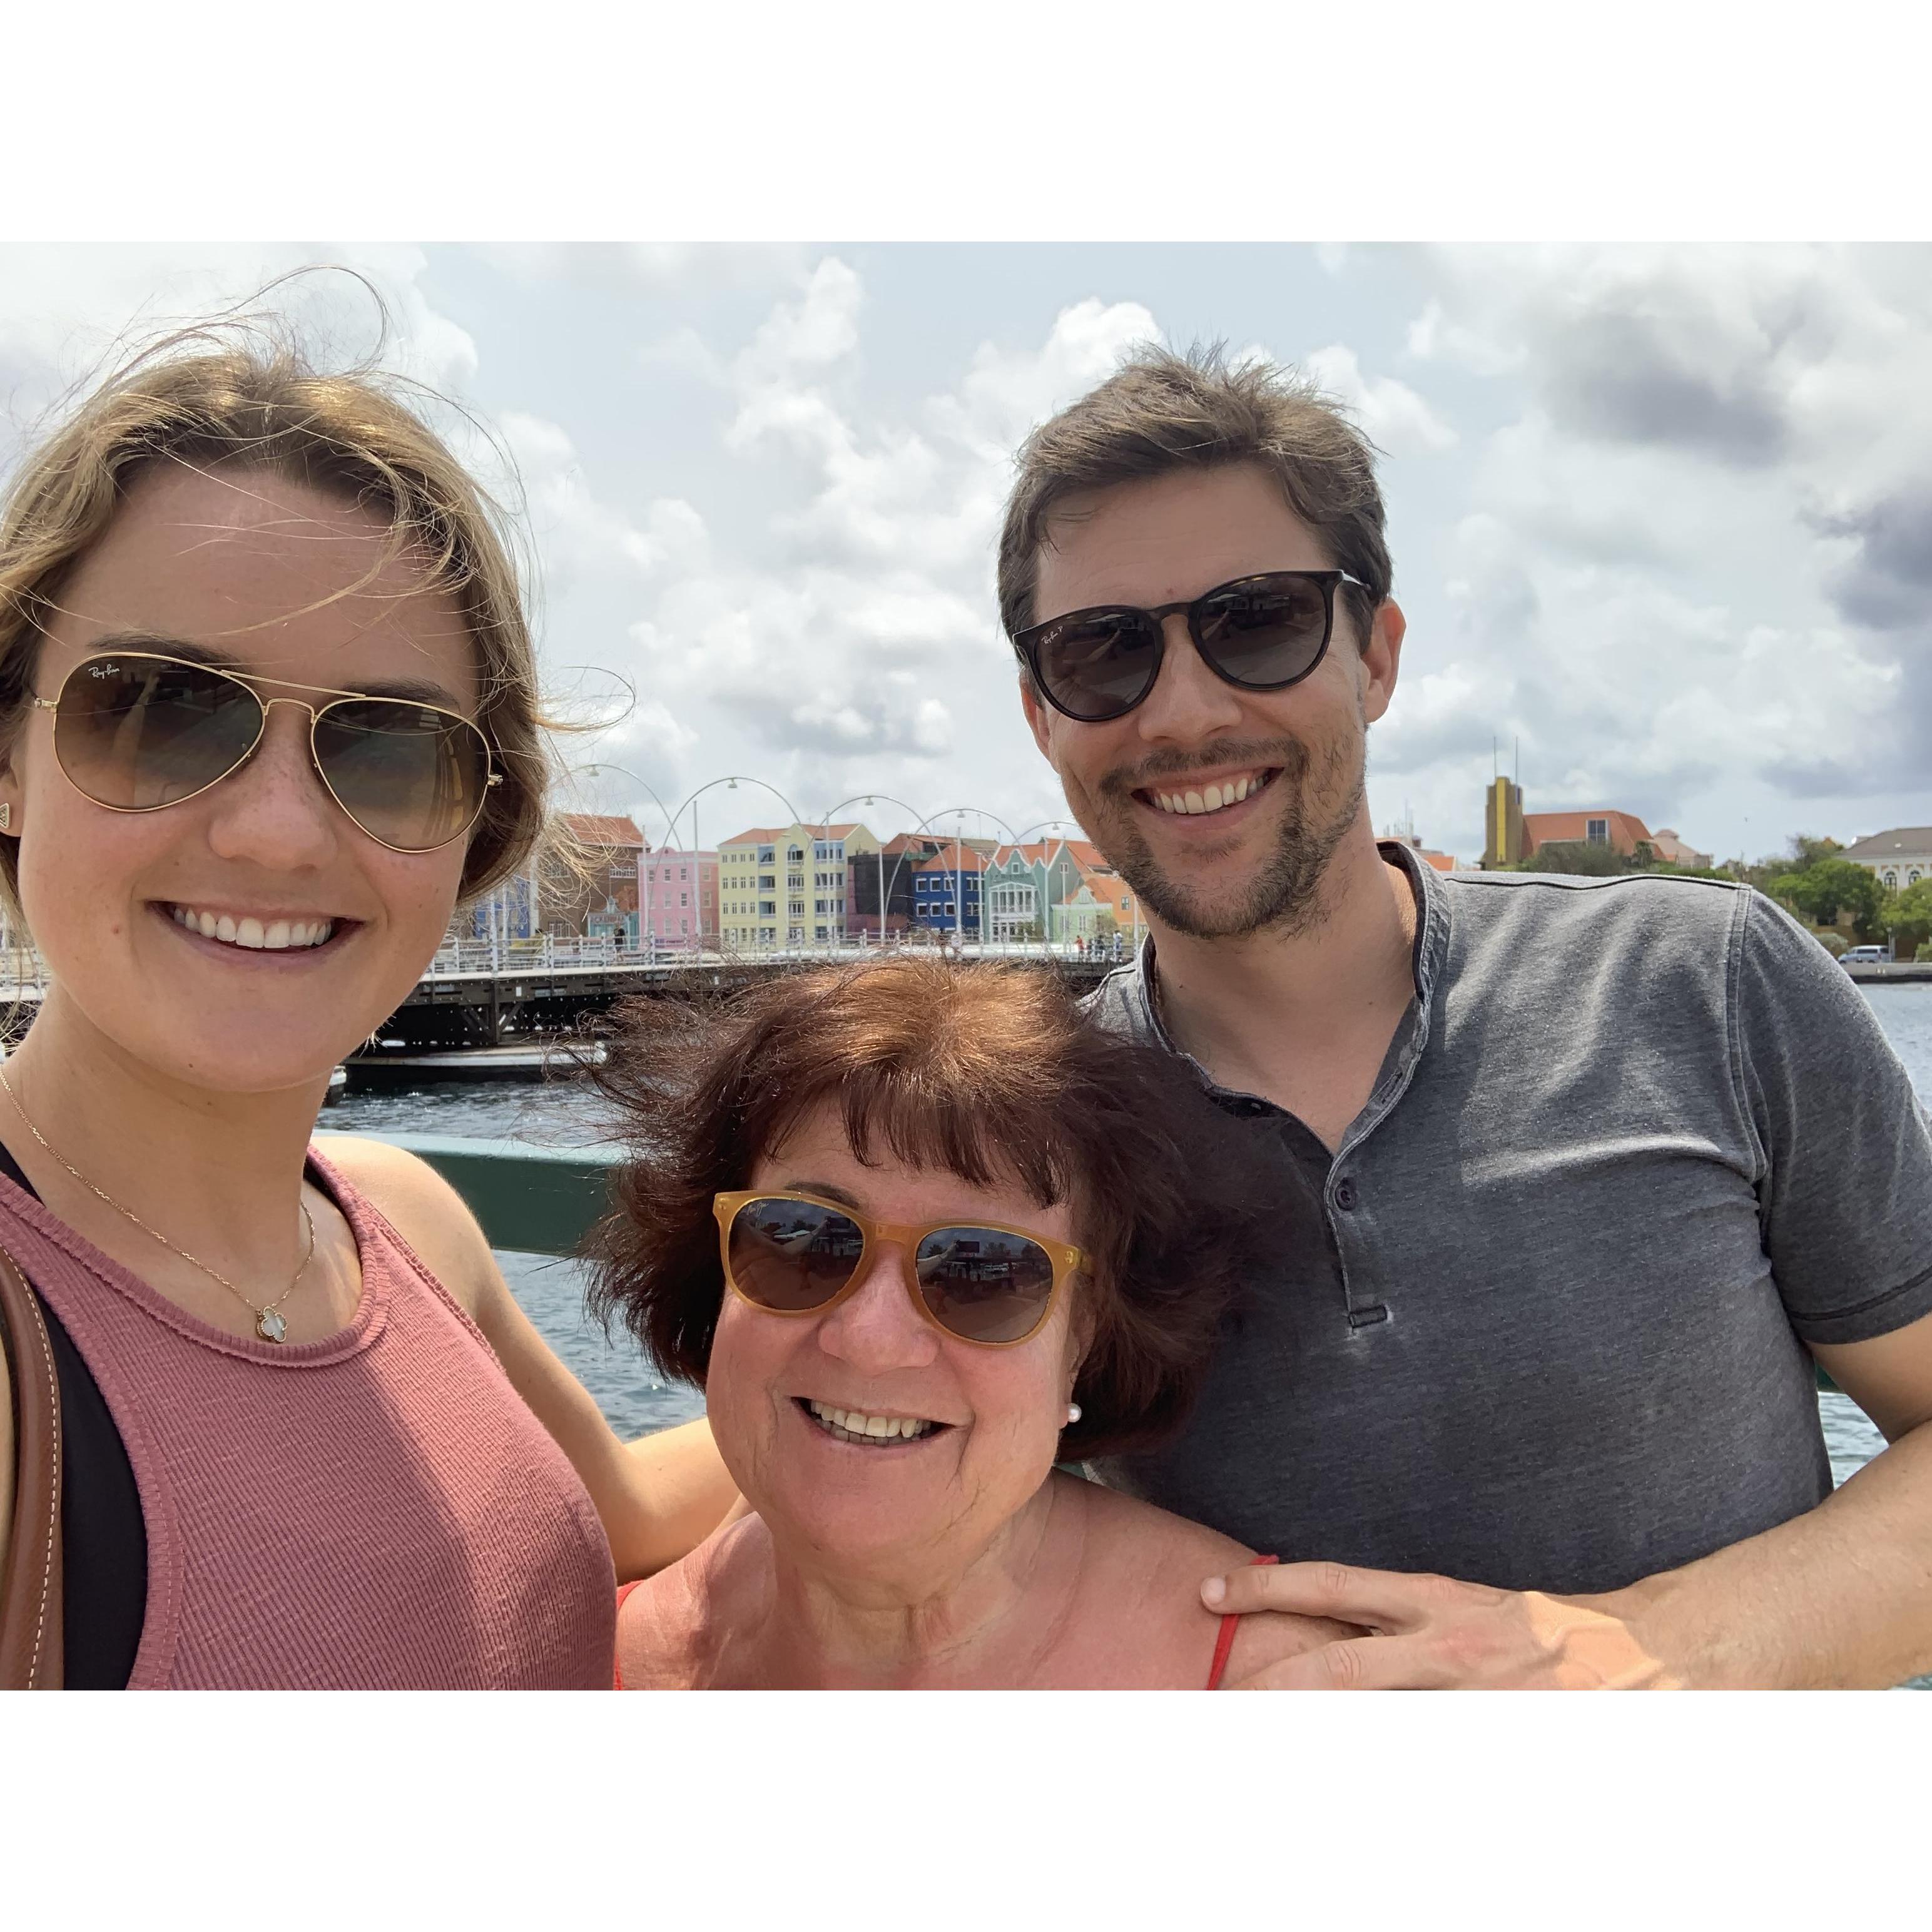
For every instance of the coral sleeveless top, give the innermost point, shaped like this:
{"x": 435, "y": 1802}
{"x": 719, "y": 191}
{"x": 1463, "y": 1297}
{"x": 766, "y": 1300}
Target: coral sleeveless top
{"x": 376, "y": 1510}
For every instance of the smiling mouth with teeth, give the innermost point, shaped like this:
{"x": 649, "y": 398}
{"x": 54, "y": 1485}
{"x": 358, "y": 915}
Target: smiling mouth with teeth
{"x": 255, "y": 935}
{"x": 1191, "y": 803}
{"x": 869, "y": 1431}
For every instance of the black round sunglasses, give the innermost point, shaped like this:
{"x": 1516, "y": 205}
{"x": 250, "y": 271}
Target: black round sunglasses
{"x": 1261, "y": 633}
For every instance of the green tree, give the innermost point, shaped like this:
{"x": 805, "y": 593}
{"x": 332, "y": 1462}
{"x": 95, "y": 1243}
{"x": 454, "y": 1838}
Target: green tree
{"x": 1907, "y": 915}
{"x": 1829, "y": 886}
{"x": 1805, "y": 852}
{"x": 1578, "y": 857}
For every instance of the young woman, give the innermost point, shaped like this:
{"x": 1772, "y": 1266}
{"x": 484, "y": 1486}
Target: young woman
{"x": 267, "y": 712}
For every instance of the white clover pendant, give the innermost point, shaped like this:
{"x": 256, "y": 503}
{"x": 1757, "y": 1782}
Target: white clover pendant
{"x": 270, "y": 1326}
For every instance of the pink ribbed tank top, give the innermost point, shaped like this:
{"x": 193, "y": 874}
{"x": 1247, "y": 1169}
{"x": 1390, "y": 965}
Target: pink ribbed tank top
{"x": 377, "y": 1511}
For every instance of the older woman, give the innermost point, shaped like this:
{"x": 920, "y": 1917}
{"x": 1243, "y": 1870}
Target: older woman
{"x": 920, "y": 1234}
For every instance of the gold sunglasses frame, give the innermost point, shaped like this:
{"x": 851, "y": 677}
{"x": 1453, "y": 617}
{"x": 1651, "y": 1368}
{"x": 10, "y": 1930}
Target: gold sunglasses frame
{"x": 1067, "y": 1260}
{"x": 492, "y": 776}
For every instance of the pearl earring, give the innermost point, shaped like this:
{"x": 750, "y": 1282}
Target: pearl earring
{"x": 1073, "y": 1413}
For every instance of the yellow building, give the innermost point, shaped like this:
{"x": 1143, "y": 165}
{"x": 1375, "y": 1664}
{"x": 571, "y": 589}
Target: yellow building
{"x": 785, "y": 885}
{"x": 1503, "y": 843}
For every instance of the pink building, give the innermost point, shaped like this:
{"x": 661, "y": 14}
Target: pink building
{"x": 677, "y": 898}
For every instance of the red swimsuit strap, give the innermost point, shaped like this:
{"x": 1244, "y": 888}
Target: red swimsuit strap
{"x": 623, "y": 1590}
{"x": 1224, "y": 1642}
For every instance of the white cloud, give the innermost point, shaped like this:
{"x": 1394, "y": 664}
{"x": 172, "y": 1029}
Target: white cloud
{"x": 850, "y": 640}
{"x": 1695, "y": 557}
{"x": 1005, "y": 392}
{"x": 1664, "y": 514}
{"x": 819, "y": 328}
{"x": 575, "y": 532}
{"x": 1393, "y": 416}
{"x": 657, "y": 268}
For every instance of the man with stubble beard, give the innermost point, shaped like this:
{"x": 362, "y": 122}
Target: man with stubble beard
{"x": 1578, "y": 1178}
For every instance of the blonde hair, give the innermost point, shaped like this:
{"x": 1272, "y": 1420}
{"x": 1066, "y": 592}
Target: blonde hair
{"x": 203, "y": 399}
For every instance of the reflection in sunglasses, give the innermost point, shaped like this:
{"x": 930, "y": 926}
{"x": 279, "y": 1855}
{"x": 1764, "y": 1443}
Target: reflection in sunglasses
{"x": 135, "y": 733}
{"x": 992, "y": 1286}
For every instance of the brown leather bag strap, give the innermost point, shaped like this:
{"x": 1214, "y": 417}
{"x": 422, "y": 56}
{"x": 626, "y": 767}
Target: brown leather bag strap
{"x": 30, "y": 1584}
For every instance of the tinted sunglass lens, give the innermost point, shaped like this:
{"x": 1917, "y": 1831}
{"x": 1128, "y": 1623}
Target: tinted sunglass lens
{"x": 1264, "y": 634}
{"x": 984, "y": 1285}
{"x": 1100, "y": 666}
{"x": 409, "y": 775}
{"x": 135, "y": 732}
{"x": 792, "y": 1255}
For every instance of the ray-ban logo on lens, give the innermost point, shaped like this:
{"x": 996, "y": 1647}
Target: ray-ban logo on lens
{"x": 103, "y": 670}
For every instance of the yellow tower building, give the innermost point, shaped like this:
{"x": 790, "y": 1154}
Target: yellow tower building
{"x": 1502, "y": 824}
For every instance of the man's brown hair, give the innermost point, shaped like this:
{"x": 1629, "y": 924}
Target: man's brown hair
{"x": 987, "y": 1071}
{"x": 1160, "y": 412}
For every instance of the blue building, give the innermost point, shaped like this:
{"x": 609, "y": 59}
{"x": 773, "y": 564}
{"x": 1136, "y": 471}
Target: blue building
{"x": 509, "y": 911}
{"x": 947, "y": 895}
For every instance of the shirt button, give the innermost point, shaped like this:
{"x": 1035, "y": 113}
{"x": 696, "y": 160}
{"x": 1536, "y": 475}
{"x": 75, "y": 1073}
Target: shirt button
{"x": 1344, "y": 1195}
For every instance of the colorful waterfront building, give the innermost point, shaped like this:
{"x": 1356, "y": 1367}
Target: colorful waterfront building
{"x": 1060, "y": 889}
{"x": 1018, "y": 892}
{"x": 786, "y": 886}
{"x": 948, "y": 894}
{"x": 596, "y": 893}
{"x": 679, "y": 898}
{"x": 1101, "y": 903}
{"x": 508, "y": 911}
{"x": 879, "y": 891}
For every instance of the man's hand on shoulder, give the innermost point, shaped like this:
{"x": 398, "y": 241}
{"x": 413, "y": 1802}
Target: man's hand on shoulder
{"x": 1423, "y": 1633}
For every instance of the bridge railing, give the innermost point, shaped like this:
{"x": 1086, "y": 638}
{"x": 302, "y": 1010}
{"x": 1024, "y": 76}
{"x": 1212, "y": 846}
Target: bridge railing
{"x": 550, "y": 953}
{"x": 23, "y": 975}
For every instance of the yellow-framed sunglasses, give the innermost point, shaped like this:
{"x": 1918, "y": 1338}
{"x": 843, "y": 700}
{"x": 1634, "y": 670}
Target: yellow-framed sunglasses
{"x": 794, "y": 1254}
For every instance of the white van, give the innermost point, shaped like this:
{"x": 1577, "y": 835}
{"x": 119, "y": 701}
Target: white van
{"x": 1866, "y": 956}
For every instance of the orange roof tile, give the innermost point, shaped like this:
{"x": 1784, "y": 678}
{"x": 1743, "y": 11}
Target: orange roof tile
{"x": 596, "y": 828}
{"x": 1544, "y": 828}
{"x": 765, "y": 835}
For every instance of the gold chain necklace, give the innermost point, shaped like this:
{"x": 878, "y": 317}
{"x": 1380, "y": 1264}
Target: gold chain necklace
{"x": 269, "y": 1325}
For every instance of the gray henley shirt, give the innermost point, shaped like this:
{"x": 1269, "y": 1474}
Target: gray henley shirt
{"x": 1540, "y": 1322}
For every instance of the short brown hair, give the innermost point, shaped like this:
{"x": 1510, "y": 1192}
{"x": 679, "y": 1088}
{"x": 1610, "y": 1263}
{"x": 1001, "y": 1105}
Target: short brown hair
{"x": 986, "y": 1070}
{"x": 231, "y": 393}
{"x": 1161, "y": 412}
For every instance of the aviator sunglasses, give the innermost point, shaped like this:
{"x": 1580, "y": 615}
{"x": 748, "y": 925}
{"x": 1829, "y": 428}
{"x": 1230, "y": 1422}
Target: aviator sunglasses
{"x": 1257, "y": 633}
{"x": 137, "y": 731}
{"x": 789, "y": 1254}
